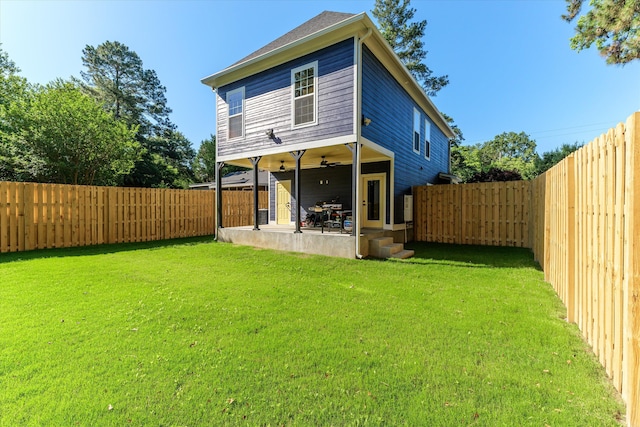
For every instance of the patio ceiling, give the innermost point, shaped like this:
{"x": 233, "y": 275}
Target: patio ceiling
{"x": 312, "y": 158}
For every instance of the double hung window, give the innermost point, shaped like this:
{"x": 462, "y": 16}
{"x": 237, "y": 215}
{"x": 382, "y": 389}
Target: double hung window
{"x": 304, "y": 81}
{"x": 235, "y": 102}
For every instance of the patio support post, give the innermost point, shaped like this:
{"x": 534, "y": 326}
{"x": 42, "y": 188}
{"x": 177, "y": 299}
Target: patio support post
{"x": 256, "y": 198}
{"x": 297, "y": 155}
{"x": 354, "y": 185}
{"x": 219, "y": 166}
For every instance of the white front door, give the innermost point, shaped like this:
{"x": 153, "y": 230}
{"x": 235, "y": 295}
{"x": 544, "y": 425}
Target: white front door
{"x": 283, "y": 202}
{"x": 374, "y": 198}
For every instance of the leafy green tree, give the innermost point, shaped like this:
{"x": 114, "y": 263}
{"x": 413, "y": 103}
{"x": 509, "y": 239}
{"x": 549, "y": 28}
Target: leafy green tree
{"x": 115, "y": 77}
{"x": 495, "y": 175}
{"x": 507, "y": 152}
{"x": 551, "y": 158}
{"x": 465, "y": 161}
{"x": 67, "y": 138}
{"x": 510, "y": 151}
{"x": 204, "y": 164}
{"x": 405, "y": 37}
{"x": 613, "y": 25}
{"x": 15, "y": 93}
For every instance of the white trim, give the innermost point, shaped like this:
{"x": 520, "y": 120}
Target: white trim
{"x": 314, "y": 122}
{"x": 278, "y": 149}
{"x": 229, "y": 116}
{"x": 427, "y": 138}
{"x": 416, "y": 114}
{"x": 384, "y": 151}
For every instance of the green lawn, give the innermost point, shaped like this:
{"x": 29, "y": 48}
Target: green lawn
{"x": 194, "y": 332}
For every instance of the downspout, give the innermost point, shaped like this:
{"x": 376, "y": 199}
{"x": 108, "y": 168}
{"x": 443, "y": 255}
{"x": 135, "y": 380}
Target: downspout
{"x": 358, "y": 207}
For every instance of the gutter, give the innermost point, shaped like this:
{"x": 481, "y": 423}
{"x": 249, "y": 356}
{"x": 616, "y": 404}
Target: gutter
{"x": 358, "y": 206}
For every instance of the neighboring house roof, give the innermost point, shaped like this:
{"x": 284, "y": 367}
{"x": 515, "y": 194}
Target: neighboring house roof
{"x": 240, "y": 179}
{"x": 321, "y": 31}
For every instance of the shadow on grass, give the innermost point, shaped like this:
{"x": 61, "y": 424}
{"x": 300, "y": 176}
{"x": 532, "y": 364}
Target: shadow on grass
{"x": 472, "y": 255}
{"x": 101, "y": 249}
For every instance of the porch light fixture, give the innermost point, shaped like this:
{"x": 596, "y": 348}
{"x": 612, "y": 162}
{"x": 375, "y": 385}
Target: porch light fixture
{"x": 269, "y": 133}
{"x": 366, "y": 121}
{"x": 282, "y": 168}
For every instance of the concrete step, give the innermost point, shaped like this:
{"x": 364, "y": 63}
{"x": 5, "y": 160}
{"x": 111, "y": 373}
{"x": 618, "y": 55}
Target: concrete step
{"x": 378, "y": 242}
{"x": 404, "y": 254}
{"x": 389, "y": 250}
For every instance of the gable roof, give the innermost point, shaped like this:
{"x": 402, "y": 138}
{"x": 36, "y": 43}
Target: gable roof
{"x": 318, "y": 23}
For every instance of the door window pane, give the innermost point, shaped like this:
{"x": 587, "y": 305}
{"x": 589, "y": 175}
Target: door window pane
{"x": 373, "y": 200}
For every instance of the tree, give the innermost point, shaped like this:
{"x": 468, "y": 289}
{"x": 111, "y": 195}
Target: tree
{"x": 465, "y": 161}
{"x": 204, "y": 164}
{"x": 116, "y": 78}
{"x": 551, "y": 158}
{"x": 405, "y": 38}
{"x": 15, "y": 93}
{"x": 494, "y": 175}
{"x": 67, "y": 138}
{"x": 510, "y": 151}
{"x": 613, "y": 25}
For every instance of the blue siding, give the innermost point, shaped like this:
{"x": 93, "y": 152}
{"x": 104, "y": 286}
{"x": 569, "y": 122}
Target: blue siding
{"x": 268, "y": 103}
{"x": 390, "y": 109}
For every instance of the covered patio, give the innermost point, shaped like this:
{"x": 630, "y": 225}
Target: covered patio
{"x": 291, "y": 234}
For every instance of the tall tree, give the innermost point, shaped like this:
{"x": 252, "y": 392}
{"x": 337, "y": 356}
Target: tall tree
{"x": 67, "y": 138}
{"x": 115, "y": 76}
{"x": 15, "y": 93}
{"x": 613, "y": 25}
{"x": 405, "y": 37}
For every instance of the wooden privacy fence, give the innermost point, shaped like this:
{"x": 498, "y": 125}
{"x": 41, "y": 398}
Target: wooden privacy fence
{"x": 582, "y": 221}
{"x": 588, "y": 244}
{"x": 41, "y": 216}
{"x": 491, "y": 213}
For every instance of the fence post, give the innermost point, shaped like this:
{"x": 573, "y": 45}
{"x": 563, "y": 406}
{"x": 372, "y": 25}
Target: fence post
{"x": 632, "y": 216}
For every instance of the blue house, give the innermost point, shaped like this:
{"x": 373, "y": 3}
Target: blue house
{"x": 343, "y": 128}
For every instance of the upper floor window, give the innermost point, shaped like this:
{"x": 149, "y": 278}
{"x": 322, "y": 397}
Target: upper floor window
{"x": 304, "y": 80}
{"x": 235, "y": 101}
{"x": 427, "y": 139}
{"x": 416, "y": 130}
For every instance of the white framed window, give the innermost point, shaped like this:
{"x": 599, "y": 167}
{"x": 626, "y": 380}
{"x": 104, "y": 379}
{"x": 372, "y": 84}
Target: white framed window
{"x": 427, "y": 139}
{"x": 304, "y": 82}
{"x": 416, "y": 131}
{"x": 235, "y": 103}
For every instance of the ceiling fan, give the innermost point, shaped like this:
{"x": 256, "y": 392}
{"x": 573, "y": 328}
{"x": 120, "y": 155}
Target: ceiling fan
{"x": 324, "y": 163}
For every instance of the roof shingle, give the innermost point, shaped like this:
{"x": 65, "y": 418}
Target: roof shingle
{"x": 315, "y": 24}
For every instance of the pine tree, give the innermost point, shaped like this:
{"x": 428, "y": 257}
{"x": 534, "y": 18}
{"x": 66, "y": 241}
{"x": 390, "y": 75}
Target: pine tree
{"x": 405, "y": 37}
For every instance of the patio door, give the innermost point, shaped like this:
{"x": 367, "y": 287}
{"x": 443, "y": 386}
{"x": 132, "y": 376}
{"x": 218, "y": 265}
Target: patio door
{"x": 374, "y": 198}
{"x": 283, "y": 202}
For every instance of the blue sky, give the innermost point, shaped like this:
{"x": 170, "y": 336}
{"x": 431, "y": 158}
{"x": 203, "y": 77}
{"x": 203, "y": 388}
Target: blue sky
{"x": 509, "y": 62}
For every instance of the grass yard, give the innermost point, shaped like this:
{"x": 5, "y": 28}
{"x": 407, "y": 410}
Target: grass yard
{"x": 194, "y": 332}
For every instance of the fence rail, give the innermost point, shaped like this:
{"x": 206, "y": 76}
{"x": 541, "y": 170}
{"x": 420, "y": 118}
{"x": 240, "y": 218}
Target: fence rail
{"x": 41, "y": 216}
{"x": 582, "y": 221}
